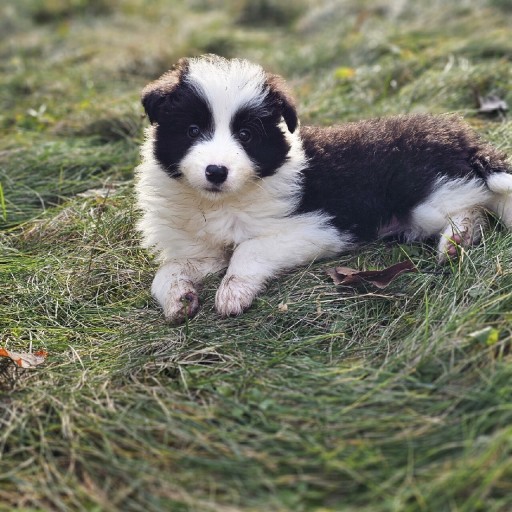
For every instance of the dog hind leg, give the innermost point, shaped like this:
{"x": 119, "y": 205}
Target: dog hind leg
{"x": 464, "y": 230}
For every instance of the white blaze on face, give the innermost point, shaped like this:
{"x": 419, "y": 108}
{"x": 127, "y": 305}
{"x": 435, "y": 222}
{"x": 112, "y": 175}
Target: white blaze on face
{"x": 227, "y": 86}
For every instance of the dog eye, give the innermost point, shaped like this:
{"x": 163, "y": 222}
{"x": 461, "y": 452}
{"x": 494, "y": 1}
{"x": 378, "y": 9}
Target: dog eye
{"x": 244, "y": 135}
{"x": 193, "y": 131}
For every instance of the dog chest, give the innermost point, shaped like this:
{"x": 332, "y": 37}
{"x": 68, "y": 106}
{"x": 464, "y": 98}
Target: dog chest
{"x": 221, "y": 226}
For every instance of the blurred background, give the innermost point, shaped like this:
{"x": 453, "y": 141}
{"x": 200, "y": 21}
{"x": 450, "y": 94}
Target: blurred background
{"x": 71, "y": 71}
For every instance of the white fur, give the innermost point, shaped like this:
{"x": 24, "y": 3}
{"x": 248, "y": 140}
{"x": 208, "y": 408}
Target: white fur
{"x": 227, "y": 85}
{"x": 448, "y": 199}
{"x": 500, "y": 183}
{"x": 222, "y": 150}
{"x": 501, "y": 201}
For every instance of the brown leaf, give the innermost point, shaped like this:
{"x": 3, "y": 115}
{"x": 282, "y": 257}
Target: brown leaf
{"x": 23, "y": 359}
{"x": 345, "y": 276}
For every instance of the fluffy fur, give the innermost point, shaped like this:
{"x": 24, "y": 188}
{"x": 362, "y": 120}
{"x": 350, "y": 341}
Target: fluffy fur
{"x": 228, "y": 179}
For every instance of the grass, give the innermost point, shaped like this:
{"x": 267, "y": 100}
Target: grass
{"x": 317, "y": 398}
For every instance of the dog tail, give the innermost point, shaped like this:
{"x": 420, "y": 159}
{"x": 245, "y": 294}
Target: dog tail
{"x": 500, "y": 183}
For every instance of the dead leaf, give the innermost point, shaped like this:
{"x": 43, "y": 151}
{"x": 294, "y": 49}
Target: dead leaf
{"x": 345, "y": 276}
{"x": 23, "y": 359}
{"x": 282, "y": 307}
{"x": 492, "y": 104}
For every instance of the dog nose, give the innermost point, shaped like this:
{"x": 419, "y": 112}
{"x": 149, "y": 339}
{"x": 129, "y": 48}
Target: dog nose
{"x": 216, "y": 174}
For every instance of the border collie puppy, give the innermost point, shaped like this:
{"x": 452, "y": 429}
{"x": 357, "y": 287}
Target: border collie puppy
{"x": 228, "y": 179}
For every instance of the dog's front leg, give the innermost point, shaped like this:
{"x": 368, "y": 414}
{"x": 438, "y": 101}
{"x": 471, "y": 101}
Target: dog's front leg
{"x": 175, "y": 286}
{"x": 257, "y": 260}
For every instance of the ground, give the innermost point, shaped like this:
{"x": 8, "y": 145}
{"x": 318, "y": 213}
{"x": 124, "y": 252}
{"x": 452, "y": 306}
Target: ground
{"x": 319, "y": 398}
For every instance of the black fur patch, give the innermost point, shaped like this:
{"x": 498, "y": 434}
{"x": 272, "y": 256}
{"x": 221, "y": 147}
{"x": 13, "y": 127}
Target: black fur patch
{"x": 182, "y": 108}
{"x": 268, "y": 146}
{"x": 367, "y": 173}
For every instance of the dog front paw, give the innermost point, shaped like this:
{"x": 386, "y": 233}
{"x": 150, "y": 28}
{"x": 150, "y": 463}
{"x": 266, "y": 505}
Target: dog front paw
{"x": 177, "y": 309}
{"x": 235, "y": 295}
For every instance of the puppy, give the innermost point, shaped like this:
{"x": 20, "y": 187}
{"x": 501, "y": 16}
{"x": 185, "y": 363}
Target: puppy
{"x": 228, "y": 179}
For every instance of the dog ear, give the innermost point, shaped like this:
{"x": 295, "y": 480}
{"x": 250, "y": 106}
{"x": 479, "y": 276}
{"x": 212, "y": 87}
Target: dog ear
{"x": 158, "y": 92}
{"x": 282, "y": 97}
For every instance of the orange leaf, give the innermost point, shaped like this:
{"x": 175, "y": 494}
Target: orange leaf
{"x": 23, "y": 359}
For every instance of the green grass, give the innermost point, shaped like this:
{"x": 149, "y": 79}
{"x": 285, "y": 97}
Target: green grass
{"x": 397, "y": 400}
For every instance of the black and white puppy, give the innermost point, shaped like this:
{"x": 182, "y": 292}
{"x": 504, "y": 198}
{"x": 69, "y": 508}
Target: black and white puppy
{"x": 228, "y": 179}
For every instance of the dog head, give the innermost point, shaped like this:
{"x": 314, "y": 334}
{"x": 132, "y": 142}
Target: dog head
{"x": 219, "y": 124}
